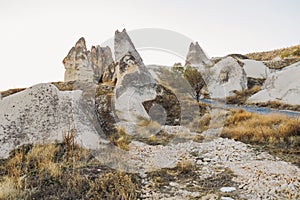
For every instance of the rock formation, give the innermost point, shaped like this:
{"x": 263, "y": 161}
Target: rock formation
{"x": 196, "y": 57}
{"x": 255, "y": 69}
{"x": 134, "y": 82}
{"x": 102, "y": 63}
{"x": 96, "y": 65}
{"x": 42, "y": 114}
{"x": 123, "y": 45}
{"x": 77, "y": 64}
{"x": 224, "y": 77}
{"x": 282, "y": 86}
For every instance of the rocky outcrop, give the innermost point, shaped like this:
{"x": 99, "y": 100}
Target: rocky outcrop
{"x": 255, "y": 69}
{"x": 171, "y": 107}
{"x": 77, "y": 63}
{"x": 134, "y": 82}
{"x": 196, "y": 57}
{"x": 123, "y": 46}
{"x": 42, "y": 114}
{"x": 224, "y": 78}
{"x": 102, "y": 63}
{"x": 282, "y": 86}
{"x": 96, "y": 65}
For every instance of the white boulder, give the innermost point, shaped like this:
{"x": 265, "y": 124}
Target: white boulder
{"x": 42, "y": 114}
{"x": 224, "y": 77}
{"x": 255, "y": 69}
{"x": 282, "y": 86}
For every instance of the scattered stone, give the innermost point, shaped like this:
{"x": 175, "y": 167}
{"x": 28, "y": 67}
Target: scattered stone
{"x": 226, "y": 198}
{"x": 228, "y": 189}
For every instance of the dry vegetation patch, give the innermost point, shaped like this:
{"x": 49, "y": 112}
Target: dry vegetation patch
{"x": 277, "y": 105}
{"x": 62, "y": 171}
{"x": 241, "y": 97}
{"x": 278, "y": 133}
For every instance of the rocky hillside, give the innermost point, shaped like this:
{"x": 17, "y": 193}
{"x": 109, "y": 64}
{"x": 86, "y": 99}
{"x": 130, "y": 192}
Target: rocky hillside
{"x": 277, "y": 59}
{"x": 118, "y": 129}
{"x": 289, "y": 52}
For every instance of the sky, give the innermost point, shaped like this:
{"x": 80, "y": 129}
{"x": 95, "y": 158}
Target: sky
{"x": 36, "y": 35}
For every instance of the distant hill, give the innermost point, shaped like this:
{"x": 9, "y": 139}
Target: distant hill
{"x": 278, "y": 58}
{"x": 289, "y": 52}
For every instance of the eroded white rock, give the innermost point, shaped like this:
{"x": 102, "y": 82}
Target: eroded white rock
{"x": 282, "y": 86}
{"x": 255, "y": 69}
{"x": 224, "y": 77}
{"x": 42, "y": 114}
{"x": 134, "y": 82}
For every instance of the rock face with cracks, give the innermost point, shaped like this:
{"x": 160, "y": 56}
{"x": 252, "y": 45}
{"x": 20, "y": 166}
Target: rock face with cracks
{"x": 77, "y": 63}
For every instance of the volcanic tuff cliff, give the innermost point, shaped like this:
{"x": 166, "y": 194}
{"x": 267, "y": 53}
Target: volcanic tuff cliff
{"x": 96, "y": 65}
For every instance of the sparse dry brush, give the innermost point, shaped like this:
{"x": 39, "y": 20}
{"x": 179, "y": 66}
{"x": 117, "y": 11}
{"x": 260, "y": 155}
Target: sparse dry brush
{"x": 277, "y": 105}
{"x": 263, "y": 129}
{"x": 277, "y": 134}
{"x": 64, "y": 171}
{"x": 121, "y": 139}
{"x": 240, "y": 97}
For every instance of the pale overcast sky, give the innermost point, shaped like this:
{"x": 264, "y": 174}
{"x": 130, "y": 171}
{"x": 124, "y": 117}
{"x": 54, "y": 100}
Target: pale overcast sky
{"x": 36, "y": 35}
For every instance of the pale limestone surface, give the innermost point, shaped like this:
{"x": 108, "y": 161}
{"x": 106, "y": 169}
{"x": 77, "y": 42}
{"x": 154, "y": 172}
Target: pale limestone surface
{"x": 224, "y": 77}
{"x": 42, "y": 114}
{"x": 282, "y": 86}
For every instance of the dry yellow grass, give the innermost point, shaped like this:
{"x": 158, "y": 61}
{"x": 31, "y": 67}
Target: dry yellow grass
{"x": 42, "y": 158}
{"x": 114, "y": 186}
{"x": 8, "y": 189}
{"x": 121, "y": 139}
{"x": 262, "y": 129}
{"x": 293, "y": 51}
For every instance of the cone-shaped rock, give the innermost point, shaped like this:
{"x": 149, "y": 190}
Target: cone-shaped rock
{"x": 134, "y": 82}
{"x": 102, "y": 63}
{"x": 77, "y": 63}
{"x": 96, "y": 65}
{"x": 196, "y": 56}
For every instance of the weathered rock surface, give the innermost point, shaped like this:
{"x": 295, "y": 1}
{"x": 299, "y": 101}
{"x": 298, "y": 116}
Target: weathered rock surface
{"x": 41, "y": 114}
{"x": 224, "y": 77}
{"x": 123, "y": 46}
{"x": 102, "y": 63}
{"x": 196, "y": 56}
{"x": 282, "y": 86}
{"x": 77, "y": 63}
{"x": 255, "y": 69}
{"x": 96, "y": 65}
{"x": 134, "y": 82}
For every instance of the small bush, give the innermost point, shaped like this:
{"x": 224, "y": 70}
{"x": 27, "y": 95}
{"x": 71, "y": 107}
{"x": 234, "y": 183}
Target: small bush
{"x": 241, "y": 97}
{"x": 121, "y": 139}
{"x": 112, "y": 186}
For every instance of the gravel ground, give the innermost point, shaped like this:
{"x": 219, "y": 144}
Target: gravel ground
{"x": 255, "y": 174}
